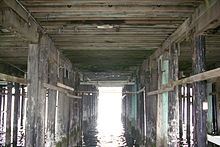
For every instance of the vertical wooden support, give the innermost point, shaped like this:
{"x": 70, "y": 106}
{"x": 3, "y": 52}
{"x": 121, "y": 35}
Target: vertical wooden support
{"x": 188, "y": 124}
{"x": 50, "y": 139}
{"x": 184, "y": 103}
{"x": 214, "y": 110}
{"x": 1, "y": 104}
{"x": 22, "y": 104}
{"x": 173, "y": 100}
{"x": 134, "y": 105}
{"x": 9, "y": 117}
{"x": 217, "y": 90}
{"x": 16, "y": 113}
{"x": 36, "y": 99}
{"x": 180, "y": 114}
{"x": 199, "y": 93}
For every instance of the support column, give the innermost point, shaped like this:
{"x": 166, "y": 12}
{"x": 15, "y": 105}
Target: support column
{"x": 173, "y": 100}
{"x": 16, "y": 113}
{"x": 188, "y": 124}
{"x": 9, "y": 117}
{"x": 200, "y": 132}
{"x": 151, "y": 103}
{"x": 23, "y": 95}
{"x": 52, "y": 94}
{"x": 180, "y": 114}
{"x": 36, "y": 98}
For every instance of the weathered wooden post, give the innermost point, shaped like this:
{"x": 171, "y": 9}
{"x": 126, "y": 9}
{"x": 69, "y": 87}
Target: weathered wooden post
{"x": 173, "y": 99}
{"x": 35, "y": 132}
{"x": 16, "y": 113}
{"x": 200, "y": 132}
{"x": 9, "y": 116}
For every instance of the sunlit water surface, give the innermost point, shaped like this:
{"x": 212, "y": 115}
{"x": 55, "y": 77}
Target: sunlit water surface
{"x": 108, "y": 131}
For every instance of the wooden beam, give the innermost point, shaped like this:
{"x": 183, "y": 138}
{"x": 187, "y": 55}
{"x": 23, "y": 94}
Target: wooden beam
{"x": 49, "y": 86}
{"x": 159, "y": 1}
{"x": 112, "y": 2}
{"x": 195, "y": 78}
{"x": 9, "y": 78}
{"x": 13, "y": 4}
{"x": 69, "y": 48}
{"x": 159, "y": 91}
{"x": 134, "y": 8}
{"x": 107, "y": 83}
{"x": 13, "y": 22}
{"x": 205, "y": 17}
{"x": 65, "y": 86}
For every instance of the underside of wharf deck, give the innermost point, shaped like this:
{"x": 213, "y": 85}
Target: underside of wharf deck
{"x": 54, "y": 54}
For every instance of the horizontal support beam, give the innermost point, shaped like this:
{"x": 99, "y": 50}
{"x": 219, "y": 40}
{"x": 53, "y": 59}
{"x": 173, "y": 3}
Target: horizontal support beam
{"x": 74, "y": 96}
{"x": 65, "y": 86}
{"x": 108, "y": 83}
{"x": 49, "y": 86}
{"x": 126, "y": 92}
{"x": 159, "y": 91}
{"x": 195, "y": 78}
{"x": 214, "y": 139}
{"x": 134, "y": 8}
{"x": 112, "y": 2}
{"x": 9, "y": 78}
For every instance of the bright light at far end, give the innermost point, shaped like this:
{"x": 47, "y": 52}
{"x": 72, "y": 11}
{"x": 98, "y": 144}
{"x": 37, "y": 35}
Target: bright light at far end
{"x": 109, "y": 116}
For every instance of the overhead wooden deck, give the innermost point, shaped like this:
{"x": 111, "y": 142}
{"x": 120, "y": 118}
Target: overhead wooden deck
{"x": 107, "y": 36}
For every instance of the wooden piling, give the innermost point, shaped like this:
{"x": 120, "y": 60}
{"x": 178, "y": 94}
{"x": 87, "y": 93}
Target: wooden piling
{"x": 173, "y": 100}
{"x": 16, "y": 113}
{"x": 188, "y": 115}
{"x": 9, "y": 117}
{"x": 200, "y": 129}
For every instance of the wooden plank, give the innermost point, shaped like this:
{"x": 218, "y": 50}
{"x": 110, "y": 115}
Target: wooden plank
{"x": 134, "y": 8}
{"x": 127, "y": 20}
{"x": 65, "y": 86}
{"x": 159, "y": 1}
{"x": 73, "y": 96}
{"x": 112, "y": 2}
{"x": 49, "y": 86}
{"x": 195, "y": 78}
{"x": 159, "y": 91}
{"x": 9, "y": 78}
{"x": 69, "y": 48}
